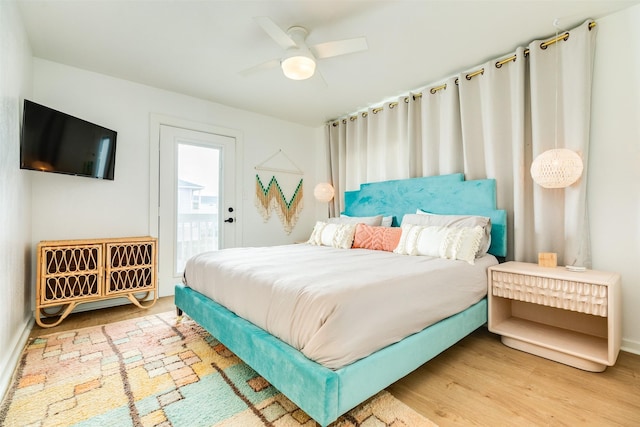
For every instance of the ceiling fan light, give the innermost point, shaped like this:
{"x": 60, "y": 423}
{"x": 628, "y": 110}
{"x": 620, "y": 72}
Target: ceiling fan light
{"x": 557, "y": 168}
{"x": 298, "y": 67}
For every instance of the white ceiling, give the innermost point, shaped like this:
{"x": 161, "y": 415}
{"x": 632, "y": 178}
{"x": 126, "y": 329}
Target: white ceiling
{"x": 198, "y": 48}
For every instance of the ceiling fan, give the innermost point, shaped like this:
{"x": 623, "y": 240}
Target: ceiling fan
{"x": 299, "y": 60}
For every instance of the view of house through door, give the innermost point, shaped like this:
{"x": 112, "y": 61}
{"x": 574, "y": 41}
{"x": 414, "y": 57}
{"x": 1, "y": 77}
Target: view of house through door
{"x": 196, "y": 199}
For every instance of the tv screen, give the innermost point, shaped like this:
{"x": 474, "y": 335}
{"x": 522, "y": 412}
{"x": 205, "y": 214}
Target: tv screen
{"x": 53, "y": 141}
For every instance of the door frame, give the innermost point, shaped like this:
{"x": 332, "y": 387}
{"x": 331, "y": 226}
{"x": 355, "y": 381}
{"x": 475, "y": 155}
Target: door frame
{"x": 157, "y": 120}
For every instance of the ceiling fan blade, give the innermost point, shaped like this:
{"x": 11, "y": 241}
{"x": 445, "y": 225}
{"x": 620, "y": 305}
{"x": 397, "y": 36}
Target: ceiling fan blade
{"x": 264, "y": 66}
{"x": 276, "y": 33}
{"x": 340, "y": 47}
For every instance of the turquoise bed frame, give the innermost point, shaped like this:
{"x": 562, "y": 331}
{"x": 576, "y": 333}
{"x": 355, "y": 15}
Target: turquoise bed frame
{"x": 325, "y": 394}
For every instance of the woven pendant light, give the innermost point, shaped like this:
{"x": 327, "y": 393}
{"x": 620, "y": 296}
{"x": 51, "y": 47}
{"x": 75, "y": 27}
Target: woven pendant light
{"x": 556, "y": 168}
{"x": 323, "y": 192}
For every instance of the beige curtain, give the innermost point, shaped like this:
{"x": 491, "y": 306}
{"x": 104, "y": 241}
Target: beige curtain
{"x": 491, "y": 125}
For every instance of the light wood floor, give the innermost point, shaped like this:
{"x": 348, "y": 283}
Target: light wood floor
{"x": 479, "y": 381}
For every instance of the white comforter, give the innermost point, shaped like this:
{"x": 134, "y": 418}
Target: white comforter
{"x": 337, "y": 305}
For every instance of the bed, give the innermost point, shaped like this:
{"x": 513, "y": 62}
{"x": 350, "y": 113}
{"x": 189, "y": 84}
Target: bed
{"x": 326, "y": 385}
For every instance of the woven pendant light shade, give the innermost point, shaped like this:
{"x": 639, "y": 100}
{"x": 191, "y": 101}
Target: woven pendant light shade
{"x": 324, "y": 192}
{"x": 556, "y": 168}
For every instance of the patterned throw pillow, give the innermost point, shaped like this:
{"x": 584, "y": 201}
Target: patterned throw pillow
{"x": 460, "y": 243}
{"x": 377, "y": 238}
{"x": 428, "y": 219}
{"x": 336, "y": 235}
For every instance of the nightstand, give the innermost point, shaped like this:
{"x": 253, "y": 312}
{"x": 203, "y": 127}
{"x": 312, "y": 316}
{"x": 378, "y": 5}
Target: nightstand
{"x": 567, "y": 316}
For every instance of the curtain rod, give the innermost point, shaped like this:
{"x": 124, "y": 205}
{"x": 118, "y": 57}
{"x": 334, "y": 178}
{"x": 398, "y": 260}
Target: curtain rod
{"x": 562, "y": 37}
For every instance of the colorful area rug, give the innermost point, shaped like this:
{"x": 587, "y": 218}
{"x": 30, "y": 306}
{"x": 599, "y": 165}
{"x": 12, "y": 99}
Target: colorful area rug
{"x": 151, "y": 371}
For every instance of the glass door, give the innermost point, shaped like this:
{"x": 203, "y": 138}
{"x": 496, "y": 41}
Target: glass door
{"x": 196, "y": 199}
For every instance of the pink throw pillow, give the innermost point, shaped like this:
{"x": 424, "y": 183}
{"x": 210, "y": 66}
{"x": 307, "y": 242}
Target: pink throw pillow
{"x": 377, "y": 238}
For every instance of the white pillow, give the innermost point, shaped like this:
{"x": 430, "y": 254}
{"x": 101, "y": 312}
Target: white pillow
{"x": 445, "y": 242}
{"x": 373, "y": 221}
{"x": 463, "y": 243}
{"x": 336, "y": 235}
{"x": 316, "y": 234}
{"x": 430, "y": 241}
{"x": 386, "y": 221}
{"x": 428, "y": 219}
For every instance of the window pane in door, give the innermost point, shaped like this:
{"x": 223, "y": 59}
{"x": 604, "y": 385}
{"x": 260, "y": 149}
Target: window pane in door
{"x": 197, "y": 183}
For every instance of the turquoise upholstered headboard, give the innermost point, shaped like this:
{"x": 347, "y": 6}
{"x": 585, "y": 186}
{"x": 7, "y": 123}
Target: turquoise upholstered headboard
{"x": 443, "y": 194}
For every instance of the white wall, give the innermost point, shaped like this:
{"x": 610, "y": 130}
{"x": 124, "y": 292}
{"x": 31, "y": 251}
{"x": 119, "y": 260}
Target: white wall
{"x": 69, "y": 207}
{"x": 614, "y": 161}
{"x": 15, "y": 197}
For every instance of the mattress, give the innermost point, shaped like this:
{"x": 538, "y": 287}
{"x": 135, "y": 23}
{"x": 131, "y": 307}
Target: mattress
{"x": 337, "y": 306}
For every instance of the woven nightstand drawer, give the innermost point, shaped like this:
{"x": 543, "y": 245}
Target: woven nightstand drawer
{"x": 559, "y": 293}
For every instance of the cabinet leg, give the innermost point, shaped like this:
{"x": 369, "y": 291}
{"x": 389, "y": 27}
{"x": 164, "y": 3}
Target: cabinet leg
{"x": 139, "y": 302}
{"x": 59, "y": 310}
{"x": 65, "y": 313}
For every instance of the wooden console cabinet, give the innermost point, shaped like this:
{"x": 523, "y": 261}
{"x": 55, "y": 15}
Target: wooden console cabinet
{"x": 71, "y": 272}
{"x": 567, "y": 316}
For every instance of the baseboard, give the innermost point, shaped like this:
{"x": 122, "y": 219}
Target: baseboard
{"x": 9, "y": 363}
{"x": 631, "y": 346}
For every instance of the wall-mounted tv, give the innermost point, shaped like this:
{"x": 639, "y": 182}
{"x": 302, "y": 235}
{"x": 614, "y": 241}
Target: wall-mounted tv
{"x": 53, "y": 141}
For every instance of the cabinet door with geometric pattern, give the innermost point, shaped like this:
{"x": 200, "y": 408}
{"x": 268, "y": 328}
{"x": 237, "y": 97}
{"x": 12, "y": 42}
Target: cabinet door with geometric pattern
{"x": 69, "y": 273}
{"x": 130, "y": 267}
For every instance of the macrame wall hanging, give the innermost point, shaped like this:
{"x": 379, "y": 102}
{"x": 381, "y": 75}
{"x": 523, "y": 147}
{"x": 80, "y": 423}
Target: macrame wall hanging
{"x": 271, "y": 198}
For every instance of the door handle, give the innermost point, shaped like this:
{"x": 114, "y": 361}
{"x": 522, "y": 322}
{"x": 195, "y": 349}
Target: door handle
{"x": 229, "y": 220}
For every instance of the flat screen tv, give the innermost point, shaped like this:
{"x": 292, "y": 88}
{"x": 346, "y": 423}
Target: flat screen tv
{"x": 53, "y": 141}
